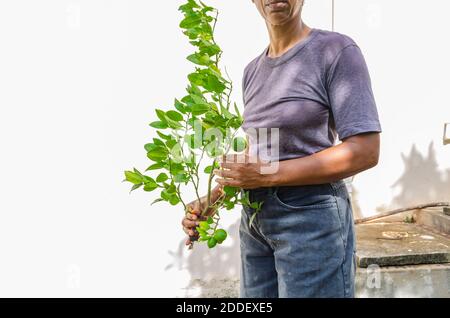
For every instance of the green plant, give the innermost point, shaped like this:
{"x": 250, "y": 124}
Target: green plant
{"x": 202, "y": 122}
{"x": 409, "y": 219}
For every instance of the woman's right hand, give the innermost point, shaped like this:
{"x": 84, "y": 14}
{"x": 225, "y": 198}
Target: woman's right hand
{"x": 192, "y": 217}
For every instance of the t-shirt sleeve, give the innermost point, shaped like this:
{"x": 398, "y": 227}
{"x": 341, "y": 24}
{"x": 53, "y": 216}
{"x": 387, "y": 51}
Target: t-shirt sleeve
{"x": 350, "y": 94}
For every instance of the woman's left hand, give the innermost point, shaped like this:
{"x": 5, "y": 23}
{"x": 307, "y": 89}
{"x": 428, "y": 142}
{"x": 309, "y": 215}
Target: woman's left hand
{"x": 243, "y": 171}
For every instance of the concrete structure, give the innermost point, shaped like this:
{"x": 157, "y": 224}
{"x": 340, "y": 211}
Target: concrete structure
{"x": 80, "y": 80}
{"x": 395, "y": 259}
{"x": 405, "y": 259}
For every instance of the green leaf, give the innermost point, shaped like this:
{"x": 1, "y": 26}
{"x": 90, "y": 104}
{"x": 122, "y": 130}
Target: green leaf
{"x": 235, "y": 122}
{"x": 200, "y": 59}
{"x": 148, "y": 179}
{"x": 158, "y": 142}
{"x": 174, "y": 115}
{"x": 209, "y": 47}
{"x": 161, "y": 114}
{"x": 210, "y": 220}
{"x": 155, "y": 166}
{"x": 193, "y": 90}
{"x": 150, "y": 146}
{"x": 252, "y": 218}
{"x": 179, "y": 106}
{"x": 136, "y": 186}
{"x": 236, "y": 109}
{"x": 254, "y": 205}
{"x": 196, "y": 78}
{"x": 198, "y": 99}
{"x": 150, "y": 186}
{"x": 157, "y": 154}
{"x": 212, "y": 242}
{"x": 204, "y": 225}
{"x": 239, "y": 144}
{"x": 192, "y": 33}
{"x": 171, "y": 189}
{"x": 199, "y": 109}
{"x": 190, "y": 22}
{"x": 220, "y": 236}
{"x": 159, "y": 125}
{"x": 180, "y": 177}
{"x": 133, "y": 177}
{"x": 161, "y": 177}
{"x": 229, "y": 190}
{"x": 225, "y": 112}
{"x": 176, "y": 168}
{"x": 214, "y": 84}
{"x": 208, "y": 169}
{"x": 188, "y": 6}
{"x": 229, "y": 205}
{"x": 163, "y": 136}
{"x": 164, "y": 195}
{"x": 157, "y": 200}
{"x": 171, "y": 143}
{"x": 246, "y": 197}
{"x": 174, "y": 200}
{"x": 173, "y": 123}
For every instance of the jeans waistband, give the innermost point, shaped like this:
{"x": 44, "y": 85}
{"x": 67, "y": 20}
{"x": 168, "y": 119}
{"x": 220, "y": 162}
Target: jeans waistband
{"x": 269, "y": 191}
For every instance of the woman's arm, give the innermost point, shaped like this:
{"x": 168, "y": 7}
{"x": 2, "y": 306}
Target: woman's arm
{"x": 355, "y": 154}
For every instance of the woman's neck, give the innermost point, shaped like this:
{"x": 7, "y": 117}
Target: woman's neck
{"x": 283, "y": 37}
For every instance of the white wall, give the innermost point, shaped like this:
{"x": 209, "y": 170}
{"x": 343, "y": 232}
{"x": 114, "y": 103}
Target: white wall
{"x": 79, "y": 81}
{"x": 406, "y": 47}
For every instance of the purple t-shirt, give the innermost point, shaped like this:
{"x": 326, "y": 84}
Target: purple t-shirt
{"x": 318, "y": 90}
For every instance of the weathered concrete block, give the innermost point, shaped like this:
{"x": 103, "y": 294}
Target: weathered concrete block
{"x": 434, "y": 220}
{"x": 418, "y": 281}
{"x": 396, "y": 244}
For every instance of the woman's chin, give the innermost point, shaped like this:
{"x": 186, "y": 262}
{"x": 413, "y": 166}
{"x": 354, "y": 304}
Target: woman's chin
{"x": 277, "y": 19}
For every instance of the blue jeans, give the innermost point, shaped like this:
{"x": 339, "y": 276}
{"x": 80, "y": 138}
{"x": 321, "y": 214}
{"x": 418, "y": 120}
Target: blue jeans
{"x": 301, "y": 244}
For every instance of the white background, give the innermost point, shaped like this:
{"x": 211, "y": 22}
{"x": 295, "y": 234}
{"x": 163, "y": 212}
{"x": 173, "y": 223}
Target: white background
{"x": 78, "y": 84}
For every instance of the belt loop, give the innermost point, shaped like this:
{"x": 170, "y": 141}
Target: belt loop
{"x": 335, "y": 185}
{"x": 273, "y": 190}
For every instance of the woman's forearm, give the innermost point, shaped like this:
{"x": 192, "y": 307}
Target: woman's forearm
{"x": 356, "y": 154}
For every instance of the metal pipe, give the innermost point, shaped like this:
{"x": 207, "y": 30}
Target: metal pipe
{"x": 396, "y": 211}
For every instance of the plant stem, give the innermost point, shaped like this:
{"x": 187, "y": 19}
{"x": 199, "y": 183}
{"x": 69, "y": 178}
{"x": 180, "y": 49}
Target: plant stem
{"x": 216, "y": 223}
{"x": 211, "y": 175}
{"x": 230, "y": 90}
{"x": 179, "y": 196}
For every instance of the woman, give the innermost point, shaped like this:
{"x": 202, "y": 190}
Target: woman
{"x": 312, "y": 85}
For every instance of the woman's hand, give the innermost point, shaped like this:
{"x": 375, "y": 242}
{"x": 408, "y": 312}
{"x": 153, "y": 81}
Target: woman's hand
{"x": 191, "y": 219}
{"x": 245, "y": 172}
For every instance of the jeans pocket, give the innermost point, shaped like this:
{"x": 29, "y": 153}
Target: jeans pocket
{"x": 305, "y": 197}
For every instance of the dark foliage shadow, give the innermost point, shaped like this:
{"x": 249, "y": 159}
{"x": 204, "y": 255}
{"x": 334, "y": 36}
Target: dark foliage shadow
{"x": 421, "y": 181}
{"x": 213, "y": 272}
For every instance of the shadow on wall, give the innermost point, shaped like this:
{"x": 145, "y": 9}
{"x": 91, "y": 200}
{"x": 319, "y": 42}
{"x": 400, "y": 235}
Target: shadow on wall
{"x": 421, "y": 181}
{"x": 214, "y": 272}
